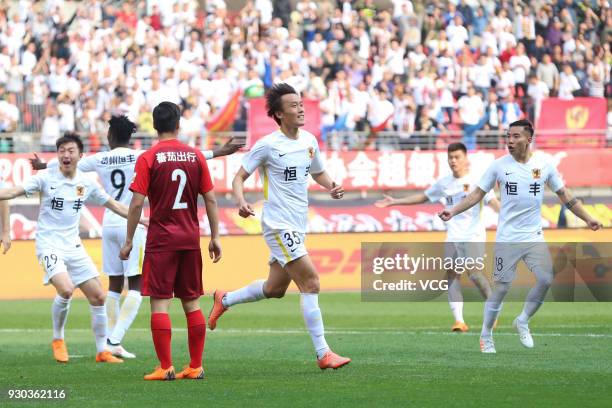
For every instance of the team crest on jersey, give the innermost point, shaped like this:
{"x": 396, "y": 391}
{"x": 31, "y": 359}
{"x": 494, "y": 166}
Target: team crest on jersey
{"x": 80, "y": 190}
{"x": 466, "y": 188}
{"x": 536, "y": 173}
{"x": 311, "y": 152}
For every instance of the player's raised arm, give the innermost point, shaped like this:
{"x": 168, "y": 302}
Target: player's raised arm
{"x": 37, "y": 163}
{"x": 244, "y": 208}
{"x": 468, "y": 202}
{"x": 227, "y": 149}
{"x": 574, "y": 205}
{"x": 5, "y": 239}
{"x": 388, "y": 201}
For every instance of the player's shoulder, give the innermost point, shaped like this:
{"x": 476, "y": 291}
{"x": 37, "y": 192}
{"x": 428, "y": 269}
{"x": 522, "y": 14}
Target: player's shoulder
{"x": 503, "y": 161}
{"x": 270, "y": 138}
{"x": 307, "y": 136}
{"x": 445, "y": 180}
{"x": 542, "y": 160}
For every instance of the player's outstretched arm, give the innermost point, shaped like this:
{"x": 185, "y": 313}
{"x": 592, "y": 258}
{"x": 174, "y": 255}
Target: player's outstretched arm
{"x": 574, "y": 205}
{"x": 5, "y": 239}
{"x": 228, "y": 148}
{"x": 468, "y": 202}
{"x": 388, "y": 201}
{"x": 336, "y": 191}
{"x": 214, "y": 247}
{"x": 244, "y": 209}
{"x": 133, "y": 217}
{"x": 11, "y": 192}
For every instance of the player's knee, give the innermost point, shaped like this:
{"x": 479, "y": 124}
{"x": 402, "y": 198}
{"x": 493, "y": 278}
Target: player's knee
{"x": 311, "y": 285}
{"x": 97, "y": 299}
{"x": 66, "y": 292}
{"x": 545, "y": 279}
{"x": 134, "y": 283}
{"x": 275, "y": 293}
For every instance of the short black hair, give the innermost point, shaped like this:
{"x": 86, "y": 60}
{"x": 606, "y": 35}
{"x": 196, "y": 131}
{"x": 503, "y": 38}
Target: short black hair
{"x": 273, "y": 99}
{"x": 121, "y": 128}
{"x": 166, "y": 117}
{"x": 69, "y": 138}
{"x": 525, "y": 124}
{"x": 453, "y": 147}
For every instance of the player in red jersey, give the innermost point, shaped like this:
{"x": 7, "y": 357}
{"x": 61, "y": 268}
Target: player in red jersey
{"x": 172, "y": 175}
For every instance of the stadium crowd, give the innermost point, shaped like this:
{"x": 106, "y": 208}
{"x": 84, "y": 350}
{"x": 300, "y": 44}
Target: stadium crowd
{"x": 418, "y": 66}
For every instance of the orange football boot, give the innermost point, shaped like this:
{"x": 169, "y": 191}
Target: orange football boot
{"x": 107, "y": 357}
{"x": 460, "y": 327}
{"x": 191, "y": 373}
{"x": 332, "y": 360}
{"x": 60, "y": 352}
{"x": 217, "y": 309}
{"x": 159, "y": 374}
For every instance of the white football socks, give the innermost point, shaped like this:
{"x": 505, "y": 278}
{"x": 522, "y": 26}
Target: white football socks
{"x": 112, "y": 308}
{"x": 59, "y": 315}
{"x": 457, "y": 309}
{"x": 98, "y": 325}
{"x": 127, "y": 314}
{"x": 250, "y": 293}
{"x": 309, "y": 303}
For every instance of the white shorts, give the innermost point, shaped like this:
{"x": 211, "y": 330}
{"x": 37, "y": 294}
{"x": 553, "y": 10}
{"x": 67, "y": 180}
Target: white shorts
{"x": 113, "y": 239}
{"x": 464, "y": 250}
{"x": 285, "y": 246}
{"x": 507, "y": 256}
{"x": 76, "y": 262}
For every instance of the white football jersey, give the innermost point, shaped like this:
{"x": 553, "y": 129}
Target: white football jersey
{"x": 284, "y": 165}
{"x": 61, "y": 202}
{"x": 115, "y": 168}
{"x": 522, "y": 190}
{"x": 467, "y": 226}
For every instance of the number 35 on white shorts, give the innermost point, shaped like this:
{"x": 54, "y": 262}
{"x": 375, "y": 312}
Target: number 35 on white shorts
{"x": 285, "y": 246}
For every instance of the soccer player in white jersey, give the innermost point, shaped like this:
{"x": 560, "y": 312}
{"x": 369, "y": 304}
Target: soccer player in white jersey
{"x": 285, "y": 158}
{"x": 5, "y": 222}
{"x": 521, "y": 176}
{"x": 465, "y": 234}
{"x": 115, "y": 169}
{"x": 59, "y": 249}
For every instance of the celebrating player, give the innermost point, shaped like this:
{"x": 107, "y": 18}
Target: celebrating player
{"x": 521, "y": 176}
{"x": 115, "y": 169}
{"x": 465, "y": 234}
{"x": 58, "y": 246}
{"x": 285, "y": 158}
{"x": 172, "y": 175}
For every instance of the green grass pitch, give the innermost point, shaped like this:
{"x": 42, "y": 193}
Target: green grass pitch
{"x": 260, "y": 355}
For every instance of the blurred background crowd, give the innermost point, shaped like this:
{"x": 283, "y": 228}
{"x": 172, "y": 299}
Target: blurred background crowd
{"x": 425, "y": 67}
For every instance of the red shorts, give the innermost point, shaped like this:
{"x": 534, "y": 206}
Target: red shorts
{"x": 172, "y": 274}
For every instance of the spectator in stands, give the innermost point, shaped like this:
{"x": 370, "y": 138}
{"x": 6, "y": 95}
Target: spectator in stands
{"x": 568, "y": 83}
{"x": 9, "y": 113}
{"x": 50, "y": 129}
{"x": 471, "y": 112}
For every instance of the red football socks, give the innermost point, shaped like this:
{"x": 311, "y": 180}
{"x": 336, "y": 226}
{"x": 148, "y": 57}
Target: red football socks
{"x": 196, "y": 334}
{"x": 161, "y": 328}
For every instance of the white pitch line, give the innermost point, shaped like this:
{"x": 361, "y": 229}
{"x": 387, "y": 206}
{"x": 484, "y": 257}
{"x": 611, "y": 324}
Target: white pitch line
{"x": 426, "y": 332}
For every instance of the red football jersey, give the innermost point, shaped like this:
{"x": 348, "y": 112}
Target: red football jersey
{"x": 172, "y": 175}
